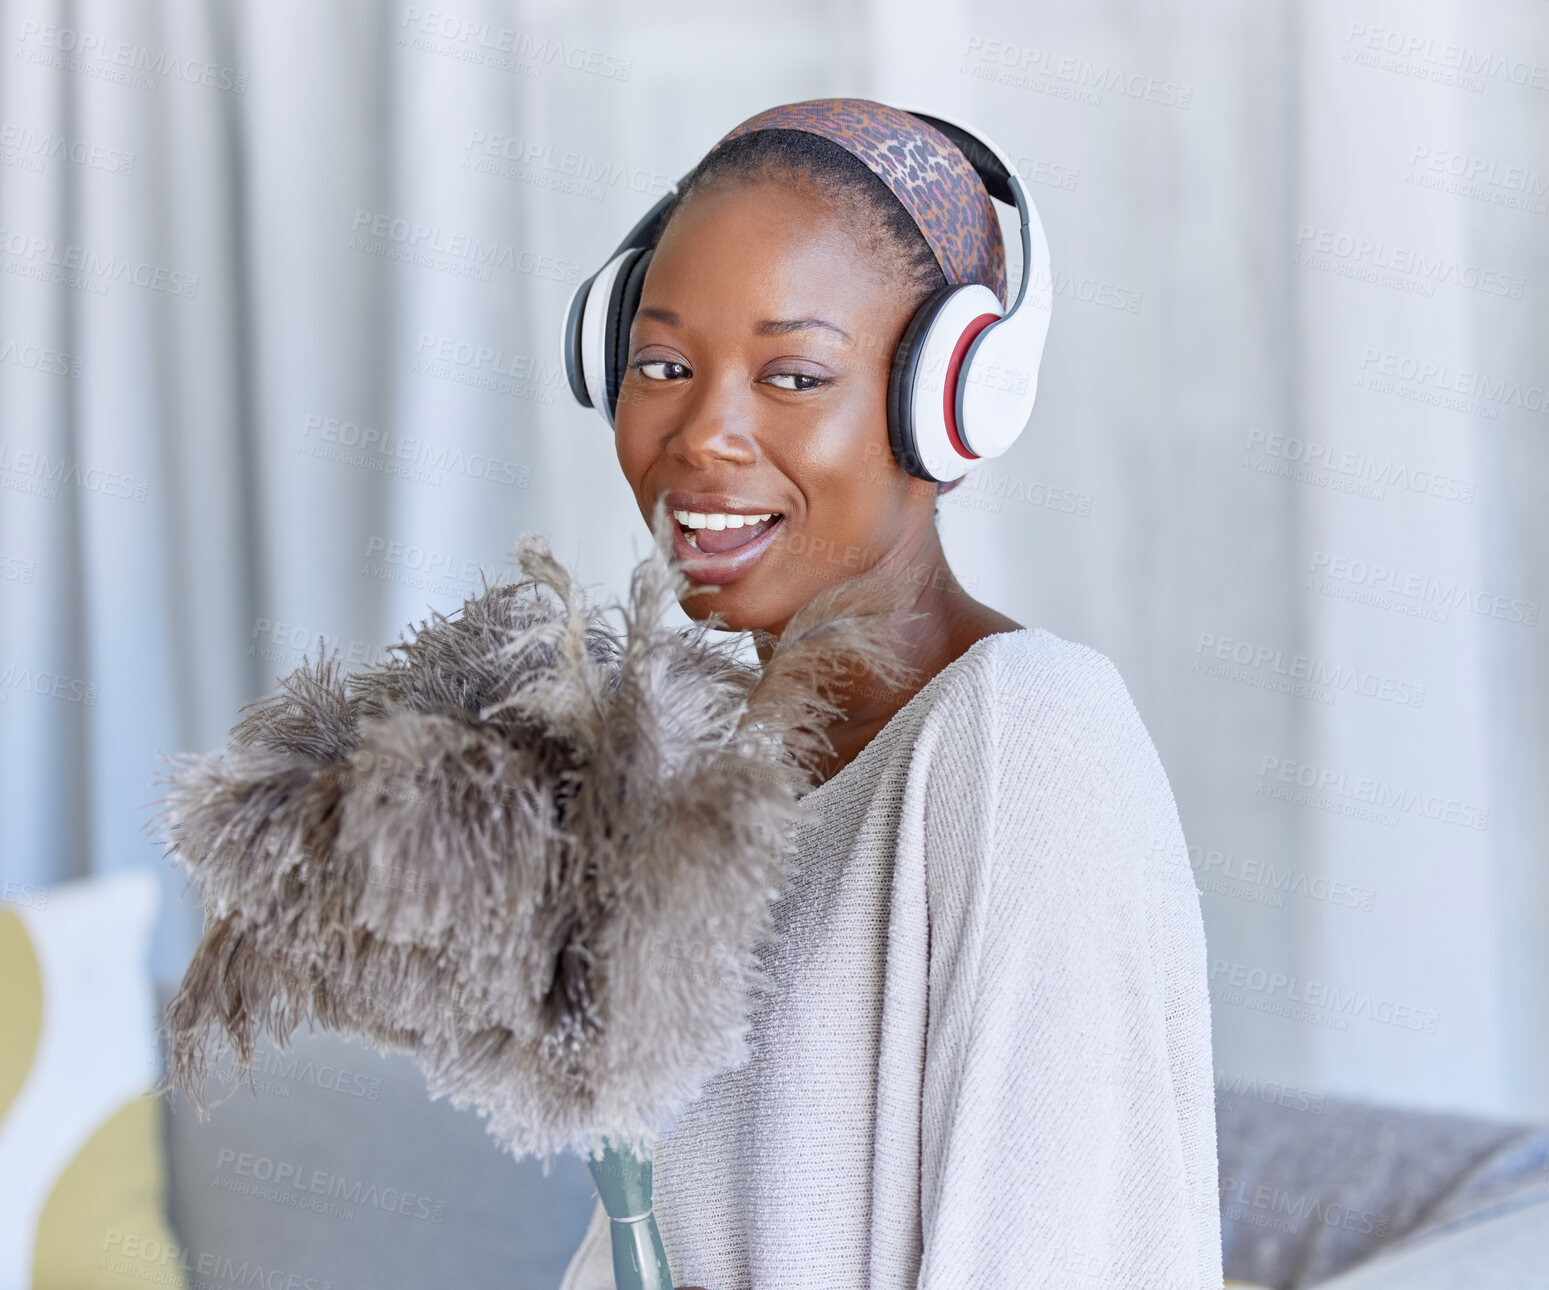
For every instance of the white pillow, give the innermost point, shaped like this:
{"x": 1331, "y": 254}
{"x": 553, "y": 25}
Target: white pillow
{"x": 82, "y": 1170}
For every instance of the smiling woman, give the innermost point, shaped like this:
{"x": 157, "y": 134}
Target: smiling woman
{"x": 983, "y": 1057}
{"x": 754, "y": 402}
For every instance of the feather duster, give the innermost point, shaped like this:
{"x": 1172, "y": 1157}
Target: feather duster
{"x": 535, "y": 852}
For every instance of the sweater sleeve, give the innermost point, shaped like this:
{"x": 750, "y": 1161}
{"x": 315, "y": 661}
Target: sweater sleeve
{"x": 1067, "y": 1118}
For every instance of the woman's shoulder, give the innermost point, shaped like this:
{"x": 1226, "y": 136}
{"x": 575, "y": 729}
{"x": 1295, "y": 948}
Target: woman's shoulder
{"x": 1030, "y": 676}
{"x": 1009, "y": 700}
{"x": 1044, "y": 733}
{"x": 1043, "y": 709}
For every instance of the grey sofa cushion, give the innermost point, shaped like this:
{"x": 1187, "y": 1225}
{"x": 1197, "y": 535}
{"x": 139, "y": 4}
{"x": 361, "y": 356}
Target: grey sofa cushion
{"x": 340, "y": 1170}
{"x": 1317, "y": 1186}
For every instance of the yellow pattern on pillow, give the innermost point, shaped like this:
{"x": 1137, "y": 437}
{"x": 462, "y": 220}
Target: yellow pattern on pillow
{"x": 104, "y": 1222}
{"x": 82, "y": 1166}
{"x": 21, "y": 1008}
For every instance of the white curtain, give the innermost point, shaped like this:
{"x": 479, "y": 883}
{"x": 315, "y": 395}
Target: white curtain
{"x": 278, "y": 360}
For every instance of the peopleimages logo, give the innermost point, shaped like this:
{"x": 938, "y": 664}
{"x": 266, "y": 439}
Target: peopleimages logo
{"x": 1376, "y": 254}
{"x": 23, "y": 893}
{"x": 1262, "y": 883}
{"x": 1321, "y": 678}
{"x": 487, "y": 367}
{"x": 564, "y": 169}
{"x": 1416, "y": 593}
{"x": 412, "y": 241}
{"x": 38, "y": 358}
{"x": 1086, "y": 290}
{"x": 92, "y": 54}
{"x": 1284, "y": 1211}
{"x": 1434, "y": 59}
{"x": 1270, "y": 1092}
{"x": 30, "y": 471}
{"x": 1025, "y": 65}
{"x": 286, "y": 1181}
{"x": 13, "y": 568}
{"x": 36, "y": 256}
{"x": 421, "y": 560}
{"x": 1038, "y": 171}
{"x": 31, "y": 146}
{"x": 1326, "y": 1000}
{"x": 368, "y": 446}
{"x": 1347, "y": 470}
{"x": 148, "y": 1258}
{"x": 72, "y": 689}
{"x": 275, "y": 1072}
{"x": 1429, "y": 381}
{"x": 277, "y": 641}
{"x": 1483, "y": 170}
{"x": 475, "y": 41}
{"x": 1373, "y": 793}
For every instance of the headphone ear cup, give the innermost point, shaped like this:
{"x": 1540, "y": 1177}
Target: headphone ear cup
{"x": 624, "y": 301}
{"x": 901, "y": 385}
{"x": 572, "y": 347}
{"x": 929, "y": 377}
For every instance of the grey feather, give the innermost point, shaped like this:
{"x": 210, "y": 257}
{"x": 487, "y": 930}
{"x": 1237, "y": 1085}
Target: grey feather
{"x": 535, "y": 851}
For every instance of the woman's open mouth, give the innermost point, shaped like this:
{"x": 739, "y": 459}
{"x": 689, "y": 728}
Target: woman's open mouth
{"x": 723, "y": 554}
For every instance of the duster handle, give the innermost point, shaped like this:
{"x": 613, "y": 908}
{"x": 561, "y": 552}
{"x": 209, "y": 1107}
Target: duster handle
{"x": 623, "y": 1181}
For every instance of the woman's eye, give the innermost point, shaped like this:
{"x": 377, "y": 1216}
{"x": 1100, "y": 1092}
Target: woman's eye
{"x": 654, "y": 369}
{"x": 795, "y": 377}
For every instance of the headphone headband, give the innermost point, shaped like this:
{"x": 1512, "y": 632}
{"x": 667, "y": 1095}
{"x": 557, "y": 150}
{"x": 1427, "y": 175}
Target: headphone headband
{"x": 982, "y": 155}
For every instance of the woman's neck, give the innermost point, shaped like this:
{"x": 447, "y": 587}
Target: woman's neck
{"x": 949, "y": 621}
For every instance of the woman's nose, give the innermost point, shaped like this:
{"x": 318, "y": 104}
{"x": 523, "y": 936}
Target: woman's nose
{"x": 716, "y": 423}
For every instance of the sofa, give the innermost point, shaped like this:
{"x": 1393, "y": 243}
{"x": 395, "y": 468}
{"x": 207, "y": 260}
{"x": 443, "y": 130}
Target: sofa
{"x": 331, "y": 1168}
{"x": 403, "y": 1191}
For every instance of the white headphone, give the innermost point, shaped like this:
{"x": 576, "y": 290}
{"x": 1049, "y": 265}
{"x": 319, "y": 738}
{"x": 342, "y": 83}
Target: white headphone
{"x": 965, "y": 373}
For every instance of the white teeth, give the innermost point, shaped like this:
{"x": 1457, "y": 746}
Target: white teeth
{"x": 695, "y": 520}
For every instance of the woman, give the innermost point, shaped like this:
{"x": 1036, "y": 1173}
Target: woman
{"x": 984, "y": 1056}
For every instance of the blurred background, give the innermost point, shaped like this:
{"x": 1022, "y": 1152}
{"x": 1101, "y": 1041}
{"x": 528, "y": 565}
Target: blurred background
{"x": 279, "y": 313}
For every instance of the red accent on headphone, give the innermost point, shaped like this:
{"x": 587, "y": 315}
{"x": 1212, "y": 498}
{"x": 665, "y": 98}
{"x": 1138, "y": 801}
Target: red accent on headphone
{"x": 949, "y": 394}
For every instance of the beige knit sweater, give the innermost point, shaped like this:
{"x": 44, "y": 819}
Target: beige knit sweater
{"x": 984, "y": 1057}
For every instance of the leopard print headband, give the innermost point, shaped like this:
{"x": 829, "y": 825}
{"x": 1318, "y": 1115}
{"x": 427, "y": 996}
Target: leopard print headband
{"x": 924, "y": 169}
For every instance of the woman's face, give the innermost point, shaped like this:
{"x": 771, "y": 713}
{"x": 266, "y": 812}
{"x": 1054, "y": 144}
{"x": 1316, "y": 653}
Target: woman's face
{"x": 757, "y": 383}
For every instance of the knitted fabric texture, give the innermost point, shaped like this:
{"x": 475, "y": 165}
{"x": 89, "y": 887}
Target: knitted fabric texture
{"x": 986, "y": 1060}
{"x": 925, "y": 170}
